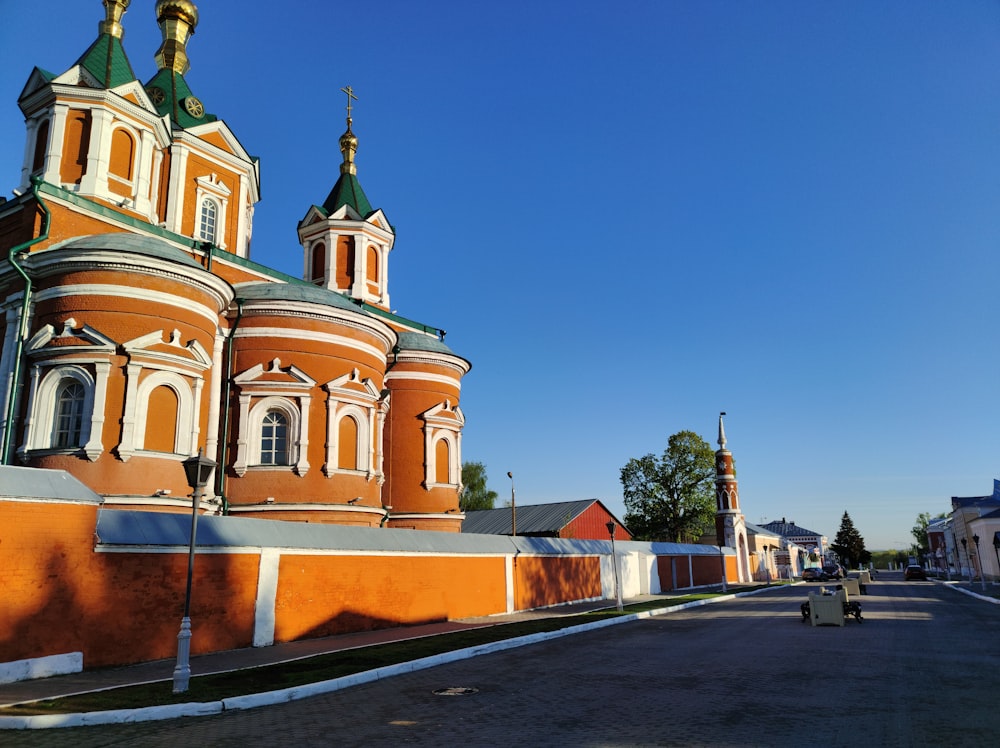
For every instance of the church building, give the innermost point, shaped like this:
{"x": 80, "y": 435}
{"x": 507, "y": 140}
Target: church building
{"x": 138, "y": 331}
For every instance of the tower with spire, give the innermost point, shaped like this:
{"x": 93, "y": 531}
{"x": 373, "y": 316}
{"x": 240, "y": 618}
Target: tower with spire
{"x": 730, "y": 524}
{"x": 346, "y": 243}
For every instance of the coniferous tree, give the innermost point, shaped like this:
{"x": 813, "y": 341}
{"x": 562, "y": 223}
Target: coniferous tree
{"x": 849, "y": 544}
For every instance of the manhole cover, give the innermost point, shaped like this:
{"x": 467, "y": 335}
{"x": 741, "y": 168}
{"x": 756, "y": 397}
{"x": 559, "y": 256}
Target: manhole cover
{"x": 456, "y": 691}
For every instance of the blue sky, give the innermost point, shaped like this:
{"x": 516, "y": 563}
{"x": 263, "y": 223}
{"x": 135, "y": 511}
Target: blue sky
{"x": 630, "y": 219}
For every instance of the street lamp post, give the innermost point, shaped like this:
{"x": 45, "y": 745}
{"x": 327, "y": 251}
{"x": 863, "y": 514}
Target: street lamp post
{"x": 979, "y": 559}
{"x": 197, "y": 470}
{"x": 965, "y": 552}
{"x": 614, "y": 564}
{"x": 513, "y": 506}
{"x": 722, "y": 558}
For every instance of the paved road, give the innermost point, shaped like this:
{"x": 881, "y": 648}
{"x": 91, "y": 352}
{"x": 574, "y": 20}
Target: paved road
{"x": 923, "y": 669}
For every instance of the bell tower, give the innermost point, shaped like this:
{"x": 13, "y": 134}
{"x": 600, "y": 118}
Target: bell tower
{"x": 730, "y": 525}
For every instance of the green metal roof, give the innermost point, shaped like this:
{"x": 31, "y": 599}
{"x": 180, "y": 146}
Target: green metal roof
{"x": 125, "y": 242}
{"x": 415, "y": 341}
{"x": 295, "y": 292}
{"x": 177, "y": 101}
{"x": 107, "y": 62}
{"x": 347, "y": 191}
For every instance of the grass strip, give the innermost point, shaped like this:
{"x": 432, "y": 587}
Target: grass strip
{"x": 323, "y": 667}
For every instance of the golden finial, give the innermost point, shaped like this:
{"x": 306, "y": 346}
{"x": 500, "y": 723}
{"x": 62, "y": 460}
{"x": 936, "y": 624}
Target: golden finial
{"x": 348, "y": 141}
{"x": 177, "y": 19}
{"x": 112, "y": 24}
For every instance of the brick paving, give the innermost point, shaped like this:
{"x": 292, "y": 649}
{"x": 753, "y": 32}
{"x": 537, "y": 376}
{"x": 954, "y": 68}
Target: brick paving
{"x": 922, "y": 669}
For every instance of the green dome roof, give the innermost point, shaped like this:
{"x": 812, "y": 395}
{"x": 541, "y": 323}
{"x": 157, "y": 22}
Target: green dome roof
{"x": 134, "y": 243}
{"x": 295, "y": 292}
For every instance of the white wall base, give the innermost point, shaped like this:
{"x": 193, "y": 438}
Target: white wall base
{"x": 41, "y": 667}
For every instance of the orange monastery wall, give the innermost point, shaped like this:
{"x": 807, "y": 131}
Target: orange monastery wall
{"x": 325, "y": 595}
{"x": 542, "y": 581}
{"x": 60, "y": 596}
{"x": 122, "y": 605}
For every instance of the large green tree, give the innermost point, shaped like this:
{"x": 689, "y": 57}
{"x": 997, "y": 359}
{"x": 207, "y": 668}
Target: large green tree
{"x": 671, "y": 497}
{"x": 475, "y": 495}
{"x": 849, "y": 544}
{"x": 919, "y": 532}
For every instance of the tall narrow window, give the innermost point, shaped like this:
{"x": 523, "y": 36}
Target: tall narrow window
{"x": 122, "y": 154}
{"x": 318, "y": 275}
{"x": 161, "y": 420}
{"x": 208, "y": 222}
{"x": 442, "y": 461}
{"x": 274, "y": 439}
{"x": 41, "y": 145}
{"x": 68, "y": 425}
{"x": 347, "y": 441}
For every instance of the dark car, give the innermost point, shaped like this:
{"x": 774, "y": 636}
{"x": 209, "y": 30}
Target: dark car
{"x": 834, "y": 571}
{"x": 914, "y": 572}
{"x": 814, "y": 574}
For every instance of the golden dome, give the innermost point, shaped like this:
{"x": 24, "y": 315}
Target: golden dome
{"x": 112, "y": 23}
{"x": 177, "y": 19}
{"x": 183, "y": 10}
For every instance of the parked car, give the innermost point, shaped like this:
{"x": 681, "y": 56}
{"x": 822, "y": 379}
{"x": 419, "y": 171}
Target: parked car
{"x": 834, "y": 571}
{"x": 914, "y": 572}
{"x": 814, "y": 574}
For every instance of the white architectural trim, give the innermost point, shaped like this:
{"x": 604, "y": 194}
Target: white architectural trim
{"x": 349, "y": 396}
{"x": 443, "y": 423}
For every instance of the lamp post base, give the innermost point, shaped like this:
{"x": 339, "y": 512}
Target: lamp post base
{"x": 182, "y": 671}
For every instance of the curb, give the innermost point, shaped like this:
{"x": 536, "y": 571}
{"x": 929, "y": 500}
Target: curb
{"x": 285, "y": 695}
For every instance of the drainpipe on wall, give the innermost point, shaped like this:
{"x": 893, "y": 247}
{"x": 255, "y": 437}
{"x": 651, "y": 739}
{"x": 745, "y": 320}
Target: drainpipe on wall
{"x": 220, "y": 473}
{"x": 6, "y": 448}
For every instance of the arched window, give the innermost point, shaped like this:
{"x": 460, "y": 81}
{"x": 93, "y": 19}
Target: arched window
{"x": 345, "y": 262}
{"x": 347, "y": 444}
{"x": 76, "y": 146}
{"x": 372, "y": 269}
{"x": 442, "y": 461}
{"x": 208, "y": 221}
{"x": 41, "y": 145}
{"x": 161, "y": 429}
{"x": 274, "y": 438}
{"x": 67, "y": 429}
{"x": 122, "y": 154}
{"x": 318, "y": 274}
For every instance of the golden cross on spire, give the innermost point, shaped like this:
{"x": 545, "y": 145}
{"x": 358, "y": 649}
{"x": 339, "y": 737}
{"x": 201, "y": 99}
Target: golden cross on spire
{"x": 350, "y": 95}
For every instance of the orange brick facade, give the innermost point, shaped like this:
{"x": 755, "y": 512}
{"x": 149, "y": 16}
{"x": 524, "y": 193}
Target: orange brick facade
{"x": 137, "y": 331}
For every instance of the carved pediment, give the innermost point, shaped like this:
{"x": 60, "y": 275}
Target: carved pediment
{"x": 72, "y": 335}
{"x": 273, "y": 377}
{"x": 168, "y": 349}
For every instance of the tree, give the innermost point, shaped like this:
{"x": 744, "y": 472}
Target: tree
{"x": 849, "y": 544}
{"x": 475, "y": 495}
{"x": 919, "y": 533}
{"x": 671, "y": 497}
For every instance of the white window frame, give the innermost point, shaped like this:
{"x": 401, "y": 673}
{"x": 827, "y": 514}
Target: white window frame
{"x": 41, "y": 425}
{"x": 87, "y": 359}
{"x": 257, "y": 396}
{"x": 181, "y": 370}
{"x": 211, "y": 188}
{"x": 184, "y": 434}
{"x": 443, "y": 422}
{"x": 349, "y": 395}
{"x": 255, "y": 432}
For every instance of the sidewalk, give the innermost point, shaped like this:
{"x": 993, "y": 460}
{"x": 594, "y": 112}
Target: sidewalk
{"x": 240, "y": 659}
